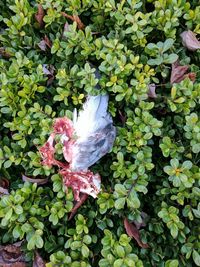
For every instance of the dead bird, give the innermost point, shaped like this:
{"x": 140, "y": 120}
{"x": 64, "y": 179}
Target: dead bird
{"x": 85, "y": 140}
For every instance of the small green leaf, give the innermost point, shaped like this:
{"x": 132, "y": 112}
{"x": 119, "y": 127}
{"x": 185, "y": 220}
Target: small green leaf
{"x": 120, "y": 251}
{"x": 31, "y": 243}
{"x": 18, "y": 209}
{"x": 119, "y": 203}
{"x": 196, "y": 257}
{"x": 171, "y": 58}
{"x": 17, "y": 231}
{"x": 39, "y": 241}
{"x": 120, "y": 189}
{"x": 172, "y": 263}
{"x": 9, "y": 214}
{"x": 167, "y": 44}
{"x": 85, "y": 251}
{"x": 174, "y": 230}
{"x": 118, "y": 263}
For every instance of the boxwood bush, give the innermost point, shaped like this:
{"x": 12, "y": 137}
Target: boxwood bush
{"x": 147, "y": 213}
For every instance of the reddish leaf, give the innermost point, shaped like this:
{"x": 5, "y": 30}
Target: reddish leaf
{"x": 83, "y": 198}
{"x": 38, "y": 261}
{"x": 132, "y": 231}
{"x": 190, "y": 41}
{"x": 152, "y": 90}
{"x": 47, "y": 41}
{"x": 4, "y": 183}
{"x": 33, "y": 180}
{"x": 191, "y": 76}
{"x": 40, "y": 15}
{"x": 74, "y": 18}
{"x": 179, "y": 73}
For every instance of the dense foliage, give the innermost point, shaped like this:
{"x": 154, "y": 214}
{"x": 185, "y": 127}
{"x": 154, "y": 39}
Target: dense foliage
{"x": 152, "y": 175}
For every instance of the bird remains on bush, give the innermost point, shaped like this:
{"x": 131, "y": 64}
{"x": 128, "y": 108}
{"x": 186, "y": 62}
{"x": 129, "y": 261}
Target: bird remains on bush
{"x": 85, "y": 140}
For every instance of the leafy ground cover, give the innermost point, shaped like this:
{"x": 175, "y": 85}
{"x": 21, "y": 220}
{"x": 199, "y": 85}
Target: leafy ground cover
{"x": 148, "y": 54}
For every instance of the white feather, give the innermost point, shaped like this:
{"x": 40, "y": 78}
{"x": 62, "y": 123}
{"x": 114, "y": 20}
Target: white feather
{"x": 93, "y": 116}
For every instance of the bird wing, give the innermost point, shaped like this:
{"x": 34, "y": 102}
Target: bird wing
{"x": 88, "y": 150}
{"x": 94, "y": 130}
{"x": 93, "y": 115}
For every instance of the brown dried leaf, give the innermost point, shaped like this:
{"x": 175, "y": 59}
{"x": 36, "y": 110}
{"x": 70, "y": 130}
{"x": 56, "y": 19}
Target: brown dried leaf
{"x": 75, "y": 18}
{"x": 38, "y": 261}
{"x": 3, "y": 53}
{"x": 179, "y": 73}
{"x": 152, "y": 90}
{"x": 15, "y": 264}
{"x": 40, "y": 15}
{"x": 44, "y": 43}
{"x": 132, "y": 231}
{"x": 190, "y": 41}
{"x": 66, "y": 29}
{"x": 11, "y": 255}
{"x": 49, "y": 71}
{"x": 122, "y": 117}
{"x": 4, "y": 185}
{"x": 3, "y": 191}
{"x": 83, "y": 198}
{"x": 33, "y": 180}
{"x": 191, "y": 76}
{"x": 143, "y": 223}
{"x": 47, "y": 41}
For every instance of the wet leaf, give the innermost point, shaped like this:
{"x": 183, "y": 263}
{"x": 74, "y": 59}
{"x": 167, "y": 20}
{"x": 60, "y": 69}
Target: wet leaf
{"x": 122, "y": 117}
{"x": 33, "y": 180}
{"x": 132, "y": 231}
{"x": 144, "y": 217}
{"x": 179, "y": 73}
{"x": 83, "y": 198}
{"x": 152, "y": 91}
{"x": 44, "y": 43}
{"x": 191, "y": 76}
{"x": 190, "y": 41}
{"x": 38, "y": 261}
{"x": 40, "y": 15}
{"x": 66, "y": 29}
{"x": 4, "y": 185}
{"x": 48, "y": 70}
{"x": 3, "y": 53}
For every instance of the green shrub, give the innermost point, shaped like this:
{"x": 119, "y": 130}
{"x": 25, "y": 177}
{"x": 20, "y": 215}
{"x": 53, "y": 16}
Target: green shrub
{"x": 153, "y": 168}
